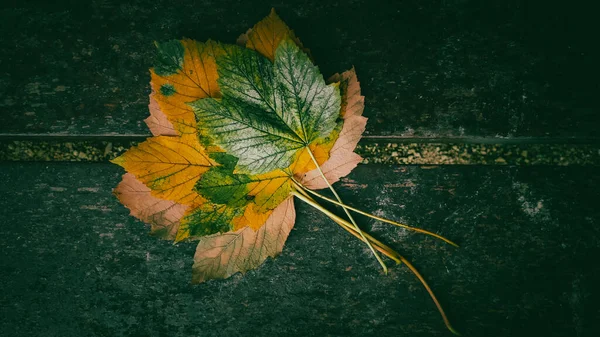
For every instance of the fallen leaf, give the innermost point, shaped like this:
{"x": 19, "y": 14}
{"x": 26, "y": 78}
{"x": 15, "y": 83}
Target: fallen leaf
{"x": 266, "y": 35}
{"x": 169, "y": 166}
{"x": 233, "y": 126}
{"x": 269, "y": 111}
{"x": 163, "y": 215}
{"x": 185, "y": 72}
{"x": 239, "y": 131}
{"x": 222, "y": 255}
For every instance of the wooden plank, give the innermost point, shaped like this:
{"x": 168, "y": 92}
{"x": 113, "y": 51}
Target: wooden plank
{"x": 436, "y": 69}
{"x": 73, "y": 263}
{"x": 82, "y": 149}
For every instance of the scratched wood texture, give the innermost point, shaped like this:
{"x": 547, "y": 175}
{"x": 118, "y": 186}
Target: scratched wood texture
{"x": 499, "y": 68}
{"x": 74, "y": 263}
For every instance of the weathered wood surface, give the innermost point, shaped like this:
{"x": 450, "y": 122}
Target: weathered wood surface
{"x": 437, "y": 68}
{"x": 79, "y": 149}
{"x": 73, "y": 263}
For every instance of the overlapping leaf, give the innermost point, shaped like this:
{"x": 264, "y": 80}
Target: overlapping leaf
{"x": 232, "y": 126}
{"x": 220, "y": 256}
{"x": 269, "y": 111}
{"x": 169, "y": 166}
{"x": 163, "y": 215}
{"x": 186, "y": 71}
{"x": 342, "y": 159}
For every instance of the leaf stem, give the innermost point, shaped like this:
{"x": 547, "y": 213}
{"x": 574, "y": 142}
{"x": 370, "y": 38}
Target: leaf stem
{"x": 385, "y": 270}
{"x": 389, "y": 252}
{"x": 435, "y": 300}
{"x": 374, "y": 216}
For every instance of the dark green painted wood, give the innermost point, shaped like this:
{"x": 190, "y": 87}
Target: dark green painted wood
{"x": 74, "y": 263}
{"x": 435, "y": 68}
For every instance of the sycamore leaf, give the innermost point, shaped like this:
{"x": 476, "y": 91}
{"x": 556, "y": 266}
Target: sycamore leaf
{"x": 232, "y": 200}
{"x": 163, "y": 215}
{"x": 169, "y": 166}
{"x": 266, "y": 35}
{"x": 222, "y": 255}
{"x": 233, "y": 126}
{"x": 185, "y": 72}
{"x": 269, "y": 111}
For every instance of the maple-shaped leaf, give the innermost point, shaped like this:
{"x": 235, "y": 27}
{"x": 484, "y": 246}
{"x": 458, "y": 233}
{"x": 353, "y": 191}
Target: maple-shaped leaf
{"x": 189, "y": 168}
{"x": 268, "y": 111}
{"x": 169, "y": 166}
{"x": 266, "y": 35}
{"x": 185, "y": 72}
{"x": 239, "y": 131}
{"x": 222, "y": 255}
{"x": 163, "y": 215}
